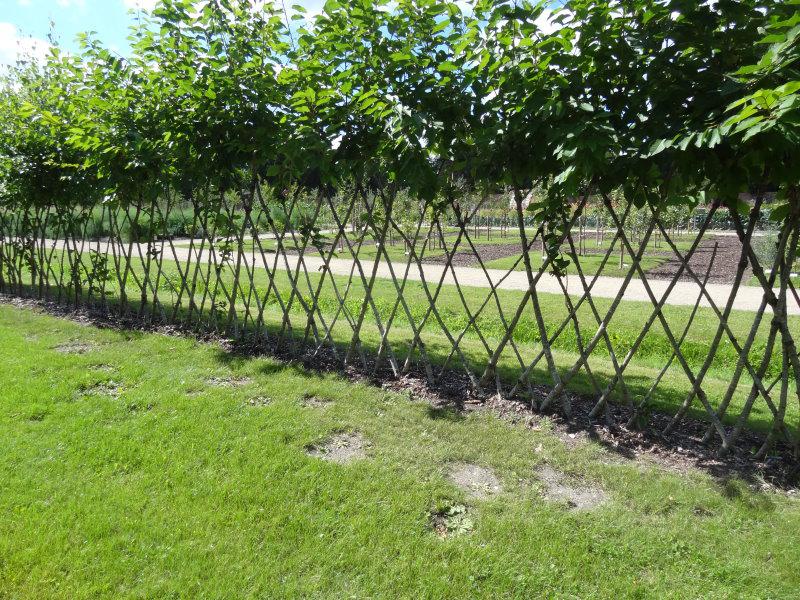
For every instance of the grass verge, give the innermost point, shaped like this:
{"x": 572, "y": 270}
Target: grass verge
{"x": 138, "y": 465}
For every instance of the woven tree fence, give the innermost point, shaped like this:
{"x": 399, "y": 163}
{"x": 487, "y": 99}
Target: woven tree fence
{"x": 323, "y": 186}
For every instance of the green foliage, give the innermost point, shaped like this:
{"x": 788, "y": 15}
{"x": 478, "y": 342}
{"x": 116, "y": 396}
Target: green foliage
{"x": 391, "y": 114}
{"x": 657, "y": 99}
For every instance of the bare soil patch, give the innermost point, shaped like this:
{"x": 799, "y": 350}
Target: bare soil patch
{"x": 74, "y": 347}
{"x": 575, "y": 494}
{"x": 477, "y": 481}
{"x": 723, "y": 271}
{"x": 729, "y": 250}
{"x": 312, "y": 401}
{"x": 680, "y": 451}
{"x": 342, "y": 448}
{"x": 112, "y": 389}
{"x": 465, "y": 257}
{"x": 257, "y": 401}
{"x": 229, "y": 381}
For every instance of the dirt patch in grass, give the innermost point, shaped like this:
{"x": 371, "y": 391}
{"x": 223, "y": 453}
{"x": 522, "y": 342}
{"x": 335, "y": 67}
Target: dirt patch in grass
{"x": 103, "y": 368}
{"x": 681, "y": 451}
{"x": 36, "y": 413}
{"x": 477, "y": 481}
{"x": 450, "y": 521}
{"x": 112, "y": 389}
{"x": 574, "y": 439}
{"x": 342, "y": 448}
{"x": 229, "y": 381}
{"x": 577, "y": 495}
{"x": 74, "y": 347}
{"x": 135, "y": 407}
{"x": 723, "y": 271}
{"x": 313, "y": 401}
{"x": 258, "y": 401}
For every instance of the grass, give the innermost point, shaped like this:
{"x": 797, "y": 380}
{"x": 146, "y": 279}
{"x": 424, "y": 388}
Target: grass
{"x": 178, "y": 488}
{"x": 590, "y": 264}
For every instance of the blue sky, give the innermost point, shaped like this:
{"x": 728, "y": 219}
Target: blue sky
{"x": 24, "y": 24}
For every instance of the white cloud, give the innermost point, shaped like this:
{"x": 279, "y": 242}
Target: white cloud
{"x": 24, "y": 2}
{"x": 14, "y": 45}
{"x": 147, "y": 5}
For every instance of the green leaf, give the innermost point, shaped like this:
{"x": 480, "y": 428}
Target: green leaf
{"x": 779, "y": 213}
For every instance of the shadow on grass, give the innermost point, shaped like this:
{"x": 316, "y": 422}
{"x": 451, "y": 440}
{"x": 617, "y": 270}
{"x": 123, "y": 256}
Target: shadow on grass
{"x": 445, "y": 413}
{"x": 681, "y": 448}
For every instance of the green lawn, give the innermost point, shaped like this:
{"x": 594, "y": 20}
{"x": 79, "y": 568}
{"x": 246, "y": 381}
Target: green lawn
{"x": 590, "y": 264}
{"x": 175, "y": 487}
{"x": 592, "y": 261}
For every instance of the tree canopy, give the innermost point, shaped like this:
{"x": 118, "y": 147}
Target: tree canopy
{"x": 669, "y": 100}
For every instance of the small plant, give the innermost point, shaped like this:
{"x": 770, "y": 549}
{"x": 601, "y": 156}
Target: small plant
{"x": 100, "y": 274}
{"x": 451, "y": 520}
{"x": 766, "y": 248}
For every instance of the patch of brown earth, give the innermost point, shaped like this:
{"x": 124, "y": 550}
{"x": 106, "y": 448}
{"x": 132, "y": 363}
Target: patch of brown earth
{"x": 478, "y": 482}
{"x": 110, "y": 388}
{"x": 259, "y": 401}
{"x": 139, "y": 406}
{"x": 229, "y": 381}
{"x": 723, "y": 271}
{"x": 74, "y": 347}
{"x": 573, "y": 440}
{"x": 342, "y": 448}
{"x": 465, "y": 257}
{"x": 729, "y": 249}
{"x": 312, "y": 401}
{"x": 575, "y": 494}
{"x": 681, "y": 451}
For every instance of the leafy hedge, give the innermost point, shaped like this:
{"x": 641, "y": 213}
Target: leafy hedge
{"x": 380, "y": 121}
{"x": 670, "y": 101}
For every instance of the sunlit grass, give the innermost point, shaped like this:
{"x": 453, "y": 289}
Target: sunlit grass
{"x": 176, "y": 487}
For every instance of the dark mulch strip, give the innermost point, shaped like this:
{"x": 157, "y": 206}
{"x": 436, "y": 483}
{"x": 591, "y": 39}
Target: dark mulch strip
{"x": 725, "y": 263}
{"x": 680, "y": 450}
{"x": 465, "y": 257}
{"x": 724, "y": 269}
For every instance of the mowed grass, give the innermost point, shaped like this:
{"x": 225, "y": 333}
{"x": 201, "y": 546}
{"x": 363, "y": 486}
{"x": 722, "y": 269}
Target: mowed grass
{"x": 126, "y": 472}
